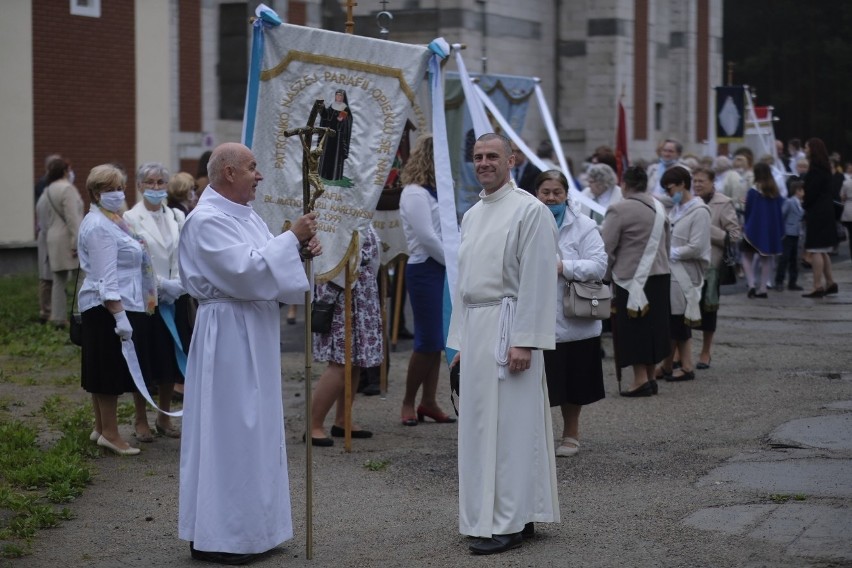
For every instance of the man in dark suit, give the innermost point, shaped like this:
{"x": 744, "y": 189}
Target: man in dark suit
{"x": 524, "y": 172}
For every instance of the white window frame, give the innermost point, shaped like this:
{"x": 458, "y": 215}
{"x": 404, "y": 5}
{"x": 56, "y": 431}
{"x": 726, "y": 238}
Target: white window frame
{"x": 92, "y": 10}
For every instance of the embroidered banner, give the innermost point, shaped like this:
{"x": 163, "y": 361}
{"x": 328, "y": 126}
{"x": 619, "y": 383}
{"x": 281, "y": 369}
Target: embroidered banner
{"x": 369, "y": 89}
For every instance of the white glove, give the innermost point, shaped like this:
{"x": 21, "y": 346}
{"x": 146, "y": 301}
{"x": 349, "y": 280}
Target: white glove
{"x": 170, "y": 290}
{"x": 123, "y": 329}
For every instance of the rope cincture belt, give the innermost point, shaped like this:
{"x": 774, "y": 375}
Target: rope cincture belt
{"x": 504, "y": 331}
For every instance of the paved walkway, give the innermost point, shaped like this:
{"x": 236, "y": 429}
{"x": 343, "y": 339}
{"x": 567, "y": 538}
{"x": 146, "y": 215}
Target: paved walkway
{"x": 748, "y": 465}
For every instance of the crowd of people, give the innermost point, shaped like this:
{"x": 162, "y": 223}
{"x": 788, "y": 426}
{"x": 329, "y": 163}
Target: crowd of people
{"x": 193, "y": 284}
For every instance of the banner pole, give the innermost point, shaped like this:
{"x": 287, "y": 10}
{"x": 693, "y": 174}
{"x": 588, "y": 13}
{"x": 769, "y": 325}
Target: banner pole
{"x": 347, "y": 369}
{"x": 383, "y": 293}
{"x": 398, "y": 299}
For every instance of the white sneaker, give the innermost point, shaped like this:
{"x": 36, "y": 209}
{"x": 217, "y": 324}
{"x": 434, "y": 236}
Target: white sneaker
{"x": 568, "y": 447}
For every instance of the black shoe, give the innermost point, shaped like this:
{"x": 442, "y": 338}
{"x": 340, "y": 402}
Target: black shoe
{"x": 229, "y": 558}
{"x": 529, "y": 530}
{"x": 761, "y": 295}
{"x": 404, "y": 334}
{"x": 320, "y": 442}
{"x": 686, "y": 376}
{"x": 703, "y": 365}
{"x": 655, "y": 388}
{"x": 751, "y": 293}
{"x": 831, "y": 289}
{"x": 371, "y": 389}
{"x": 339, "y": 432}
{"x": 647, "y": 389}
{"x": 818, "y": 293}
{"x": 497, "y": 544}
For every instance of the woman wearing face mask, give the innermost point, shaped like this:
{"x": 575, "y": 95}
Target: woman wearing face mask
{"x": 118, "y": 293}
{"x": 689, "y": 257}
{"x": 160, "y": 227}
{"x": 573, "y": 369}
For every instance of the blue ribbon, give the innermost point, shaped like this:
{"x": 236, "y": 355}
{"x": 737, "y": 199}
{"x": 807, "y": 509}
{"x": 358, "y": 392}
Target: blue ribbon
{"x": 167, "y": 312}
{"x": 267, "y": 18}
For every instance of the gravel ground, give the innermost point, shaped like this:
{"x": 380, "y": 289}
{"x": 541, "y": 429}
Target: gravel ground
{"x": 623, "y": 497}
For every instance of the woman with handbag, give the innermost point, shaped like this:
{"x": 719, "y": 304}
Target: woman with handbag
{"x": 689, "y": 257}
{"x": 573, "y": 369}
{"x": 637, "y": 241}
{"x": 65, "y": 213}
{"x": 724, "y": 228}
{"x": 367, "y": 342}
{"x": 116, "y": 299}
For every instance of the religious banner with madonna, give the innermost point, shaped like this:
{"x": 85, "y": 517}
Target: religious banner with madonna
{"x": 369, "y": 89}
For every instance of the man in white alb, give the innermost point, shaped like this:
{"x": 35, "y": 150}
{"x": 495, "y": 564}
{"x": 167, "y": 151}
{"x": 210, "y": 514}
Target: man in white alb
{"x": 234, "y": 489}
{"x": 502, "y": 318}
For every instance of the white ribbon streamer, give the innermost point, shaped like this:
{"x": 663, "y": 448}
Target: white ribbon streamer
{"x": 576, "y": 196}
{"x": 129, "y": 353}
{"x": 551, "y": 131}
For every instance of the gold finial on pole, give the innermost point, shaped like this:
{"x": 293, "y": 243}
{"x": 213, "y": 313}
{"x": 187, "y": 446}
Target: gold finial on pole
{"x": 350, "y": 23}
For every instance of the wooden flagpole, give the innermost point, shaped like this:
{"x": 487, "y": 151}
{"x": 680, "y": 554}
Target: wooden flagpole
{"x": 383, "y": 293}
{"x": 347, "y": 311}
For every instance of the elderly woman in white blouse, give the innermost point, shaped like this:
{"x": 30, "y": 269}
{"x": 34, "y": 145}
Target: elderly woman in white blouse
{"x": 573, "y": 369}
{"x": 160, "y": 227}
{"x": 603, "y": 187}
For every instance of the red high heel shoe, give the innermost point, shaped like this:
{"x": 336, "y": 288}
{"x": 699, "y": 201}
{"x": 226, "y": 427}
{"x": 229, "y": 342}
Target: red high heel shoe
{"x": 437, "y": 417}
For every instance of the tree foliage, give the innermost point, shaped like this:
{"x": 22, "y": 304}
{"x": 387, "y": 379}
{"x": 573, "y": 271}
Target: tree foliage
{"x": 797, "y": 56}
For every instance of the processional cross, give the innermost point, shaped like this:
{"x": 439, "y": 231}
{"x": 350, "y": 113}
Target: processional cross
{"x": 311, "y": 156}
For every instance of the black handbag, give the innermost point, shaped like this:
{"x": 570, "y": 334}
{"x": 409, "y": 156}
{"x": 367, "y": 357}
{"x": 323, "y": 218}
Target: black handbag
{"x": 322, "y": 315}
{"x": 75, "y": 321}
{"x": 728, "y": 268}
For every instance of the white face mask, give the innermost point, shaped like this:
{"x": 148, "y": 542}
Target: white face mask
{"x": 112, "y": 200}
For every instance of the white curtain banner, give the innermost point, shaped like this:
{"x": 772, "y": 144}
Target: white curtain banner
{"x": 369, "y": 88}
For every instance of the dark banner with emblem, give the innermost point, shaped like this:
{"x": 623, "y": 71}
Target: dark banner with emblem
{"x": 730, "y": 114}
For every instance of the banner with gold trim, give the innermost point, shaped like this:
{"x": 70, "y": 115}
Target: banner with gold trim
{"x": 369, "y": 89}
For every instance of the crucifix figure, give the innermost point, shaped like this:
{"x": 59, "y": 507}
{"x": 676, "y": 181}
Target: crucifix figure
{"x": 311, "y": 156}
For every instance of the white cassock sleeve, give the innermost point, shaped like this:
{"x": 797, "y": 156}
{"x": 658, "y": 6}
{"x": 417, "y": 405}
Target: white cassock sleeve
{"x": 535, "y": 321}
{"x": 238, "y": 260}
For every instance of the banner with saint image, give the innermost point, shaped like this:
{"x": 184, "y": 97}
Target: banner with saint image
{"x": 369, "y": 88}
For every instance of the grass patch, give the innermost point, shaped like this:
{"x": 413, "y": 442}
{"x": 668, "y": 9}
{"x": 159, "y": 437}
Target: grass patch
{"x": 37, "y": 478}
{"x": 29, "y": 349}
{"x": 376, "y": 465}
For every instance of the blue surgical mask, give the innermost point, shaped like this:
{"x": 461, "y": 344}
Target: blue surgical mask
{"x": 677, "y": 198}
{"x": 558, "y": 211}
{"x": 154, "y": 196}
{"x": 668, "y": 163}
{"x": 112, "y": 200}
